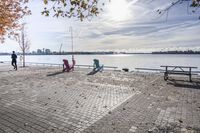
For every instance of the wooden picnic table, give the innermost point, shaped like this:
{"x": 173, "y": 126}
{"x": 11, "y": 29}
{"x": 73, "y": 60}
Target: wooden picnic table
{"x": 181, "y": 70}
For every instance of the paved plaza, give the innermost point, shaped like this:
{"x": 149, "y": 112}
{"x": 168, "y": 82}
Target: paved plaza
{"x": 43, "y": 100}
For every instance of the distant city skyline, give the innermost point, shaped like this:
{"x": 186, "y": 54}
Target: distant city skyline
{"x": 124, "y": 25}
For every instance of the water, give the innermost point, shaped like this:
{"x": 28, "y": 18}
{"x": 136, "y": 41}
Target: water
{"x": 121, "y": 61}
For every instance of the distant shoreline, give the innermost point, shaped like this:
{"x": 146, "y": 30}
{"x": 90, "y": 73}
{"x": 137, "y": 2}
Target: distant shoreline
{"x": 113, "y": 54}
{"x": 107, "y": 53}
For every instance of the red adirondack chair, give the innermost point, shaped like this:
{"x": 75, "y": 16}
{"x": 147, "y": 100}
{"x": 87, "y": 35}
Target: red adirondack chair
{"x": 67, "y": 67}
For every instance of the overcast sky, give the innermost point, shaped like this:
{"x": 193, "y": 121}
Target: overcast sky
{"x": 124, "y": 25}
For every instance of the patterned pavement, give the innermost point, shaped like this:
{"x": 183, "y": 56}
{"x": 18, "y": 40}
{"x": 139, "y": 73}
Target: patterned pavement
{"x": 42, "y": 100}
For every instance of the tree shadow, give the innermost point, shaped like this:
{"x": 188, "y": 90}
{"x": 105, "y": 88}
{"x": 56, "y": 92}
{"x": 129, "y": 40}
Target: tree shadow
{"x": 195, "y": 84}
{"x": 175, "y": 129}
{"x": 6, "y": 71}
{"x": 56, "y": 73}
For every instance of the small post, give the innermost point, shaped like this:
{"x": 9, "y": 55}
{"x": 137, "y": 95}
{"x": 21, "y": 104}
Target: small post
{"x": 167, "y": 71}
{"x": 190, "y": 74}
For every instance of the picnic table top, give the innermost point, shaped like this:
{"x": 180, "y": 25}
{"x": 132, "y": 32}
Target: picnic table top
{"x": 180, "y": 66}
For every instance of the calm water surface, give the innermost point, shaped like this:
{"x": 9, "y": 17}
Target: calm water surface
{"x": 129, "y": 61}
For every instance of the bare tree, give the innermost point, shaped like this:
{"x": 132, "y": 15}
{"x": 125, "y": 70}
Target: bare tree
{"x": 24, "y": 43}
{"x": 193, "y": 4}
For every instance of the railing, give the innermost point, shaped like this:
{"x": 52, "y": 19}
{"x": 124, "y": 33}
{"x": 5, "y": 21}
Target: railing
{"x": 60, "y": 65}
{"x": 161, "y": 70}
{"x": 91, "y": 66}
{"x": 43, "y": 64}
{"x": 149, "y": 69}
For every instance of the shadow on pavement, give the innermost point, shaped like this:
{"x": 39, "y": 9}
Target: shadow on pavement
{"x": 174, "y": 128}
{"x": 195, "y": 84}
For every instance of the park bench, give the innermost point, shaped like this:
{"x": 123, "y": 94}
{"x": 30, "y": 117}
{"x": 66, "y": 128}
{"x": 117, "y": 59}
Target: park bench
{"x": 178, "y": 70}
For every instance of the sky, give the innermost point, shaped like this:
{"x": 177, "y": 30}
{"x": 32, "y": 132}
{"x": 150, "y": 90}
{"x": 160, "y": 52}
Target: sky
{"x": 123, "y": 26}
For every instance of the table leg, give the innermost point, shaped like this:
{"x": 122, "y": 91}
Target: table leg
{"x": 190, "y": 75}
{"x": 165, "y": 76}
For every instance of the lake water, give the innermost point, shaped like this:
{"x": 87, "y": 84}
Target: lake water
{"x": 130, "y": 61}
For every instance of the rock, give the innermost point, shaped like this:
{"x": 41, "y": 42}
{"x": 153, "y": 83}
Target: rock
{"x": 180, "y": 121}
{"x": 152, "y": 130}
{"x": 125, "y": 69}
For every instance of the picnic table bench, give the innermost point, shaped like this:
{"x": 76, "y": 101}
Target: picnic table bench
{"x": 180, "y": 70}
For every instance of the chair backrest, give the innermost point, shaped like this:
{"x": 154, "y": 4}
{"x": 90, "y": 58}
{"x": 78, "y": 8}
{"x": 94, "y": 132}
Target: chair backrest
{"x": 66, "y": 63}
{"x": 96, "y": 63}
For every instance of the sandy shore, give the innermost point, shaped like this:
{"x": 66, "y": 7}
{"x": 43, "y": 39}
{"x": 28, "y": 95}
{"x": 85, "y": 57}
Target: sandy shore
{"x": 42, "y": 99}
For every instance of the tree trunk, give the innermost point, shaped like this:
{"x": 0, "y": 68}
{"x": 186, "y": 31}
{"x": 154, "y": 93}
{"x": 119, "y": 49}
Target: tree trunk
{"x": 23, "y": 58}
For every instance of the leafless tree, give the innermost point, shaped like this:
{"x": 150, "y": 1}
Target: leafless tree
{"x": 194, "y": 4}
{"x": 24, "y": 43}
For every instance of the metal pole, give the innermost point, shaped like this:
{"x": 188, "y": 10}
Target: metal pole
{"x": 71, "y": 30}
{"x": 60, "y": 48}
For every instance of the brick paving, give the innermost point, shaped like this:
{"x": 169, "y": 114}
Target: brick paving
{"x": 39, "y": 100}
{"x": 159, "y": 108}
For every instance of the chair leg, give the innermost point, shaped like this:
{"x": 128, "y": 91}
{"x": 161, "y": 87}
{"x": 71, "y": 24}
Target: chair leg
{"x": 190, "y": 78}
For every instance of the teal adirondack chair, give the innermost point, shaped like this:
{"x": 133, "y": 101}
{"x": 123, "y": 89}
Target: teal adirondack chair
{"x": 96, "y": 65}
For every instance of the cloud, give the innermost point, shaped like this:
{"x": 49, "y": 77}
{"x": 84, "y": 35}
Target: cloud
{"x": 144, "y": 29}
